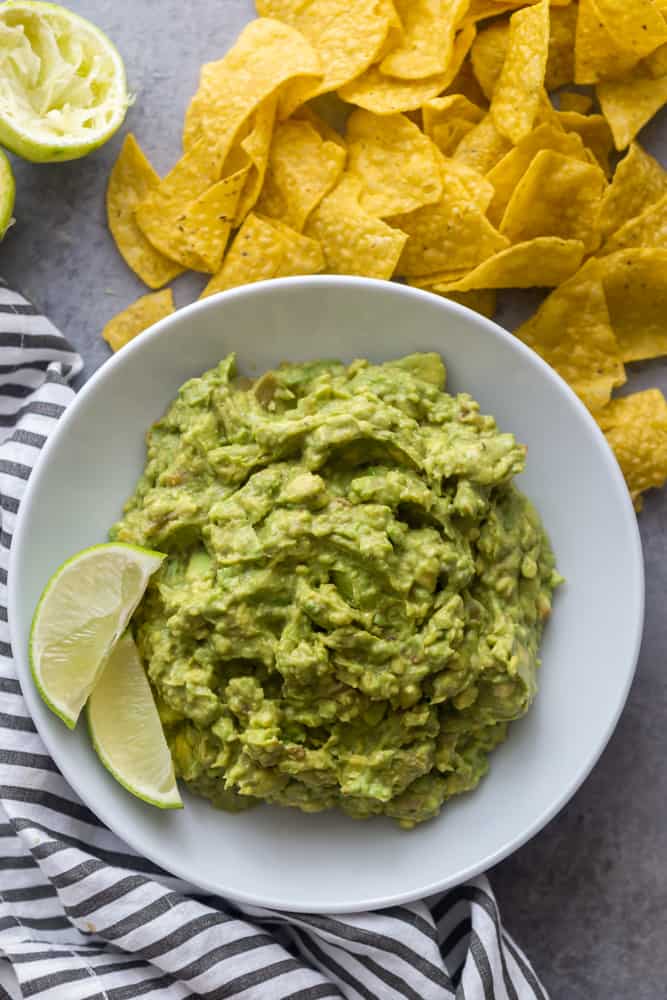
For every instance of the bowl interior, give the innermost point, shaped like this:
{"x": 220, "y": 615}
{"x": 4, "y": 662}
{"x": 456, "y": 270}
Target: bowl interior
{"x": 327, "y": 862}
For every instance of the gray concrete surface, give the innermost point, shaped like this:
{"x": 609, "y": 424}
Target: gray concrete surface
{"x": 586, "y": 898}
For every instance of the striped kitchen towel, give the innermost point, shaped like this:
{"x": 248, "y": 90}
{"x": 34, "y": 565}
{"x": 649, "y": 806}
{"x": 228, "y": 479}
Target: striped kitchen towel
{"x": 82, "y": 917}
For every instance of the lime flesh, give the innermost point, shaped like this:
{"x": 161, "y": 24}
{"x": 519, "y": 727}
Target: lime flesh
{"x": 62, "y": 82}
{"x": 126, "y": 730}
{"x": 82, "y": 613}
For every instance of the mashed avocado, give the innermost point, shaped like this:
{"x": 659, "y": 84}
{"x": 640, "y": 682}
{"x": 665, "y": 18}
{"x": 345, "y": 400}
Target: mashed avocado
{"x": 352, "y": 603}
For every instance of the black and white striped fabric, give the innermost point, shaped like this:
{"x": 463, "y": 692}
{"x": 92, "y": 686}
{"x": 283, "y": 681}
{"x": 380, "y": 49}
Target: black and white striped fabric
{"x": 84, "y": 918}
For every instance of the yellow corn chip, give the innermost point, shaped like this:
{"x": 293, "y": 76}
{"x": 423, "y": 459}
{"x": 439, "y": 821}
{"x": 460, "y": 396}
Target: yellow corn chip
{"x": 646, "y": 230}
{"x": 353, "y": 241}
{"x": 441, "y": 110}
{"x": 385, "y": 95}
{"x": 639, "y": 181}
{"x": 302, "y": 169}
{"x": 429, "y": 281}
{"x": 452, "y": 234}
{"x": 256, "y": 146}
{"x": 557, "y": 196}
{"x": 594, "y": 131}
{"x": 487, "y": 55}
{"x": 516, "y": 96}
{"x": 572, "y": 332}
{"x": 572, "y": 101}
{"x": 635, "y": 284}
{"x": 138, "y": 317}
{"x": 482, "y": 301}
{"x": 466, "y": 184}
{"x": 263, "y": 249}
{"x": 507, "y": 173}
{"x": 480, "y": 10}
{"x": 542, "y": 262}
{"x": 448, "y": 135}
{"x": 130, "y": 181}
{"x": 560, "y": 61}
{"x": 629, "y": 104}
{"x": 656, "y": 64}
{"x": 638, "y": 25}
{"x": 207, "y": 221}
{"x": 636, "y": 428}
{"x": 160, "y": 214}
{"x": 465, "y": 84}
{"x": 398, "y": 166}
{"x": 268, "y": 58}
{"x": 428, "y": 42}
{"x": 348, "y": 35}
{"x": 598, "y": 55}
{"x": 325, "y": 131}
{"x": 483, "y": 146}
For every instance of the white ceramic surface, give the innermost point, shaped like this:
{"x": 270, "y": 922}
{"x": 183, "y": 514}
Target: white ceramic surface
{"x": 327, "y": 862}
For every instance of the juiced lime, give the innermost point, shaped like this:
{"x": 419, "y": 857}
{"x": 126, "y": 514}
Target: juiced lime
{"x": 82, "y": 613}
{"x": 7, "y": 192}
{"x": 62, "y": 82}
{"x": 126, "y": 730}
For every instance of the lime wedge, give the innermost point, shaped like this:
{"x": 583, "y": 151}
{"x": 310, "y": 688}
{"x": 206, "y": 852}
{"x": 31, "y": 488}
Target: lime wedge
{"x": 7, "y": 192}
{"x": 62, "y": 82}
{"x": 126, "y": 730}
{"x": 82, "y": 612}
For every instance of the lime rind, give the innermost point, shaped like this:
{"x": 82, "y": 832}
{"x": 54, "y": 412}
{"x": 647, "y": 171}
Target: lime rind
{"x": 148, "y": 560}
{"x": 7, "y": 194}
{"x": 136, "y": 727}
{"x": 65, "y": 91}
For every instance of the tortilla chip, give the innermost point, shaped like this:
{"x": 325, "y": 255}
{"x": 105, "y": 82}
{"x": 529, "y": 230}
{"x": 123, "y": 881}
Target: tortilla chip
{"x": 160, "y": 214}
{"x": 207, "y": 221}
{"x": 385, "y": 95}
{"x": 452, "y": 234}
{"x": 448, "y": 135}
{"x": 306, "y": 113}
{"x": 543, "y": 262}
{"x": 637, "y": 25}
{"x": 347, "y": 35}
{"x": 256, "y": 147}
{"x": 656, "y": 64}
{"x": 482, "y": 301}
{"x": 480, "y": 10}
{"x": 557, "y": 196}
{"x": 429, "y": 281}
{"x": 572, "y": 101}
{"x": 560, "y": 61}
{"x": 636, "y": 428}
{"x": 353, "y": 241}
{"x": 302, "y": 169}
{"x": 483, "y": 146}
{"x": 465, "y": 182}
{"x": 487, "y": 55}
{"x": 441, "y": 110}
{"x": 635, "y": 284}
{"x": 263, "y": 249}
{"x": 507, "y": 173}
{"x": 639, "y": 181}
{"x": 398, "y": 166}
{"x": 598, "y": 55}
{"x": 629, "y": 104}
{"x": 465, "y": 83}
{"x": 138, "y": 317}
{"x": 572, "y": 332}
{"x": 516, "y": 96}
{"x": 646, "y": 230}
{"x": 268, "y": 58}
{"x": 593, "y": 129}
{"x": 130, "y": 181}
{"x": 428, "y": 42}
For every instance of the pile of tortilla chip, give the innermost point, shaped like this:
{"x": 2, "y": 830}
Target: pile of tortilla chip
{"x": 479, "y": 151}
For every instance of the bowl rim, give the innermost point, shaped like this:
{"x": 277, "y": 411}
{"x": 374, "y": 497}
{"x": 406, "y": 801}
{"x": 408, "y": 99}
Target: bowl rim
{"x": 213, "y": 303}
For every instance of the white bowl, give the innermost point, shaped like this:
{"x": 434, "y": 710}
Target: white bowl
{"x": 328, "y": 862}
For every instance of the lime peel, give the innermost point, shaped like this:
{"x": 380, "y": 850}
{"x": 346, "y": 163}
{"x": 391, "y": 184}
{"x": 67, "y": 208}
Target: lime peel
{"x": 84, "y": 609}
{"x": 7, "y": 194}
{"x": 64, "y": 91}
{"x": 126, "y": 731}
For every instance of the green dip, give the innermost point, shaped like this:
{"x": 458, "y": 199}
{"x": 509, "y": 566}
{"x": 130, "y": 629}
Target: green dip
{"x": 354, "y": 594}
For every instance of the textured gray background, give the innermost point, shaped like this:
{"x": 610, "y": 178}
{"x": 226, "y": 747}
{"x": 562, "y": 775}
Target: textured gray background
{"x": 587, "y": 898}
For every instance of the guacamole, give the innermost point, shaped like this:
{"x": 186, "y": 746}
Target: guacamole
{"x": 354, "y": 594}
